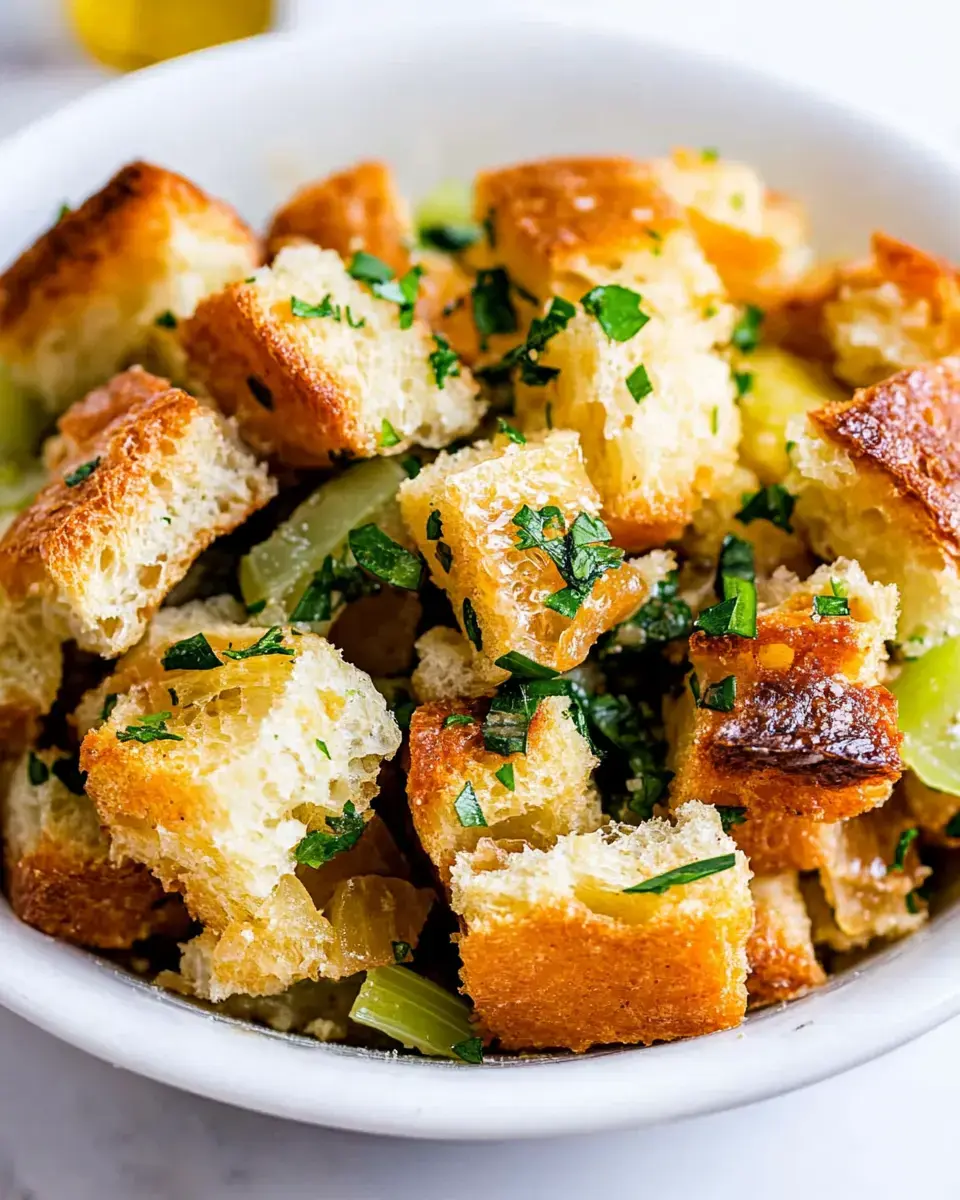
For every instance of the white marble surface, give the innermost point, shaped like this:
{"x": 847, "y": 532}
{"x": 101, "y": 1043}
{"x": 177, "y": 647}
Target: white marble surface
{"x": 72, "y": 1128}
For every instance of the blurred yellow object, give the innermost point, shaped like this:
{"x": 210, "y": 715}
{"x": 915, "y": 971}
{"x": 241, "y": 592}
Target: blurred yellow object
{"x": 135, "y": 33}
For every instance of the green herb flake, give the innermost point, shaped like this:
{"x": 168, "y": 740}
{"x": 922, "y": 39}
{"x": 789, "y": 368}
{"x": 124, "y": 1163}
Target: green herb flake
{"x": 493, "y": 310}
{"x": 79, "y": 474}
{"x": 731, "y": 815}
{"x": 467, "y": 808}
{"x": 663, "y": 618}
{"x": 166, "y": 320}
{"x": 63, "y": 211}
{"x": 260, "y": 392}
{"x": 743, "y": 382}
{"x": 401, "y": 951}
{"x": 451, "y": 239}
{"x": 737, "y": 201}
{"x": 638, "y": 383}
{"x": 548, "y": 414}
{"x": 617, "y": 309}
{"x": 687, "y": 874}
{"x": 37, "y": 770}
{"x": 320, "y": 846}
{"x": 326, "y": 308}
{"x": 388, "y": 435}
{"x": 952, "y": 827}
{"x": 511, "y": 432}
{"x": 379, "y": 276}
{"x": 771, "y": 503}
{"x": 505, "y": 775}
{"x": 367, "y": 268}
{"x": 913, "y": 902}
{"x": 512, "y": 709}
{"x": 904, "y": 842}
{"x": 456, "y": 719}
{"x": 444, "y": 556}
{"x": 720, "y": 697}
{"x": 109, "y": 704}
{"x": 746, "y": 332}
{"x": 471, "y": 626}
{"x": 715, "y": 419}
{"x": 67, "y": 770}
{"x": 831, "y": 606}
{"x": 444, "y": 361}
{"x": 322, "y": 747}
{"x": 527, "y": 355}
{"x": 735, "y": 614}
{"x": 255, "y": 608}
{"x": 411, "y": 465}
{"x": 736, "y": 558}
{"x": 470, "y": 1050}
{"x": 581, "y": 555}
{"x": 385, "y": 558}
{"x": 270, "y": 643}
{"x": 490, "y": 228}
{"x": 354, "y": 324}
{"x": 152, "y": 727}
{"x": 518, "y": 664}
{"x": 434, "y": 526}
{"x": 192, "y": 654}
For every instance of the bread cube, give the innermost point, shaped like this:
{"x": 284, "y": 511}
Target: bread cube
{"x": 58, "y": 871}
{"x": 216, "y": 796}
{"x": 359, "y": 208}
{"x": 934, "y": 812}
{"x": 808, "y": 732}
{"x": 31, "y": 668}
{"x": 900, "y": 309}
{"x": 556, "y": 953}
{"x": 878, "y": 477}
{"x": 477, "y": 493}
{"x": 757, "y": 239}
{"x": 105, "y": 541}
{"x": 460, "y": 792}
{"x": 449, "y": 668}
{"x": 83, "y": 301}
{"x": 783, "y": 962}
{"x": 775, "y": 842}
{"x": 868, "y": 884}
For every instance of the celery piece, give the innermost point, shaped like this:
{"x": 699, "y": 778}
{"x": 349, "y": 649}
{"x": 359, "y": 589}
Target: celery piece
{"x": 449, "y": 203}
{"x": 21, "y": 421}
{"x": 928, "y": 699}
{"x": 417, "y": 1013}
{"x": 279, "y": 569}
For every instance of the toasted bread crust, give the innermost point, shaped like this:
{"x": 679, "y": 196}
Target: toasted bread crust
{"x": 775, "y": 842}
{"x": 89, "y": 417}
{"x": 908, "y": 428}
{"x": 783, "y": 963}
{"x": 564, "y": 977}
{"x": 355, "y": 209}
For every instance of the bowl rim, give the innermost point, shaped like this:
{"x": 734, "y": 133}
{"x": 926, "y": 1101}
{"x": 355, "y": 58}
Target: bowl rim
{"x": 94, "y": 1005}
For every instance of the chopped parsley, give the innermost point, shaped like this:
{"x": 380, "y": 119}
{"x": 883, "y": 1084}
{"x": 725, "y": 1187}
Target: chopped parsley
{"x": 511, "y": 710}
{"x": 771, "y": 503}
{"x": 320, "y": 847}
{"x": 335, "y": 576}
{"x": 67, "y": 770}
{"x": 166, "y": 320}
{"x": 63, "y": 211}
{"x": 518, "y": 664}
{"x": 743, "y": 382}
{"x": 326, "y": 308}
{"x": 385, "y": 558}
{"x": 37, "y": 770}
{"x": 730, "y": 815}
{"x": 904, "y": 842}
{"x": 388, "y": 435}
{"x": 411, "y": 465}
{"x": 736, "y": 558}
{"x": 471, "y": 626}
{"x": 633, "y": 754}
{"x": 686, "y": 874}
{"x": 617, "y": 309}
{"x": 715, "y": 419}
{"x": 434, "y": 526}
{"x": 109, "y": 704}
{"x": 505, "y": 775}
{"x": 831, "y": 606}
{"x": 511, "y": 432}
{"x": 192, "y": 654}
{"x": 260, "y": 392}
{"x": 270, "y": 643}
{"x": 467, "y": 808}
{"x": 493, "y": 310}
{"x": 458, "y": 719}
{"x": 527, "y": 355}
{"x": 580, "y": 555}
{"x": 367, "y": 268}
{"x": 401, "y": 951}
{"x": 322, "y": 747}
{"x": 470, "y": 1050}
{"x": 351, "y": 322}
{"x": 444, "y": 361}
{"x": 719, "y": 697}
{"x": 379, "y": 276}
{"x": 746, "y": 332}
{"x": 444, "y": 556}
{"x": 79, "y": 474}
{"x": 663, "y": 618}
{"x": 638, "y": 383}
{"x": 451, "y": 239}
{"x": 152, "y": 727}
{"x": 735, "y": 614}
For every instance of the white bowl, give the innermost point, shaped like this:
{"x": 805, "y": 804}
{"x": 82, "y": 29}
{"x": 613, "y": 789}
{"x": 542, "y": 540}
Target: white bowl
{"x": 439, "y": 98}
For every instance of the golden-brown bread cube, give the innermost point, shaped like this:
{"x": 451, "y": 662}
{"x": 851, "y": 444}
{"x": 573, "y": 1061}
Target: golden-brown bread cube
{"x": 355, "y": 209}
{"x": 310, "y": 390}
{"x": 449, "y": 668}
{"x": 757, "y": 239}
{"x": 216, "y": 795}
{"x": 58, "y": 871}
{"x": 901, "y": 309}
{"x": 477, "y": 493}
{"x": 878, "y": 478}
{"x": 776, "y": 841}
{"x": 868, "y": 884}
{"x": 82, "y": 302}
{"x": 557, "y": 954}
{"x": 104, "y": 542}
{"x": 783, "y": 962}
{"x": 31, "y": 668}
{"x": 460, "y": 792}
{"x": 555, "y": 221}
{"x": 810, "y": 733}
{"x": 934, "y": 812}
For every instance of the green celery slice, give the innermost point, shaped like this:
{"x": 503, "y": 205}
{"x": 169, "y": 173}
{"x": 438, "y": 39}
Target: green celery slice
{"x": 280, "y": 568}
{"x": 928, "y": 699}
{"x": 21, "y": 421}
{"x": 415, "y": 1012}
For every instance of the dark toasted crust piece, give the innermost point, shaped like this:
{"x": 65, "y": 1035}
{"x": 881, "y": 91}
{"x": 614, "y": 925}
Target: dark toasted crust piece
{"x": 560, "y": 977}
{"x": 356, "y": 209}
{"x": 908, "y": 428}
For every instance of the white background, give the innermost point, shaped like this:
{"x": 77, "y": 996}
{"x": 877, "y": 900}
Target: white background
{"x": 75, "y": 1129}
